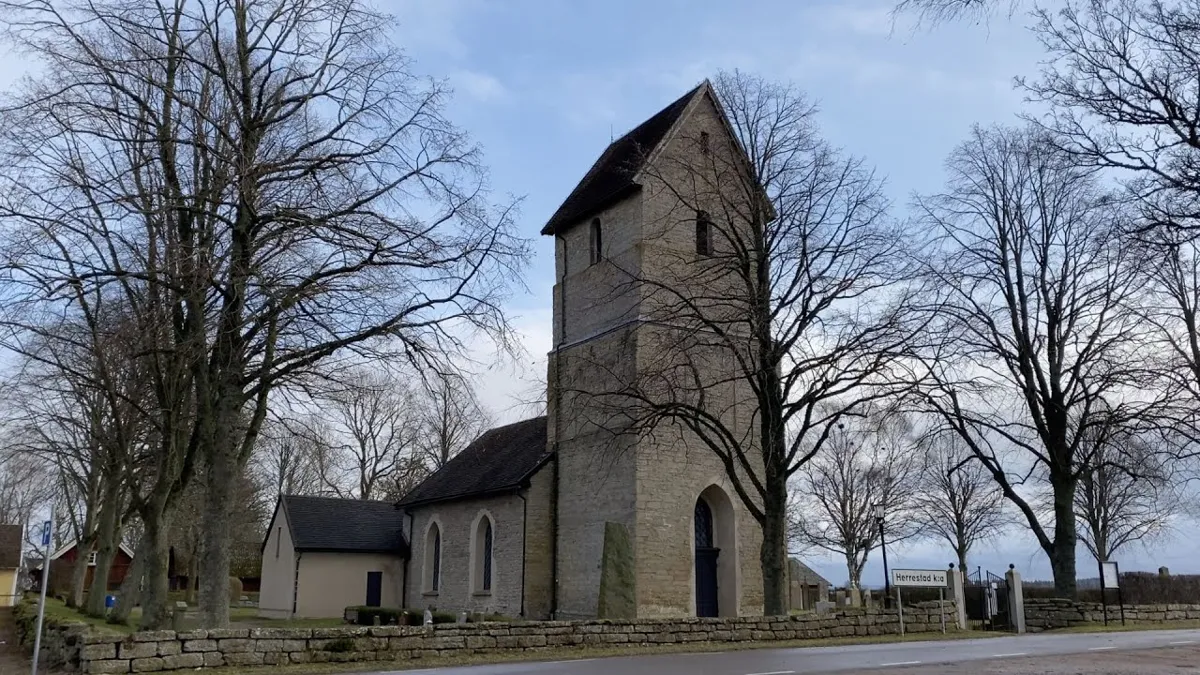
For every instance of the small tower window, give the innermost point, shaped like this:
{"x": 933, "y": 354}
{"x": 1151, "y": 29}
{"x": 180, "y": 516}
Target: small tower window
{"x": 704, "y": 242}
{"x": 704, "y": 142}
{"x": 597, "y": 241}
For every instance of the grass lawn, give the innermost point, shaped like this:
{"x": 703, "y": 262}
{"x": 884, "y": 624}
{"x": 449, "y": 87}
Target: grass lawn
{"x": 1114, "y": 626}
{"x": 575, "y": 653}
{"x": 58, "y": 610}
{"x": 239, "y": 617}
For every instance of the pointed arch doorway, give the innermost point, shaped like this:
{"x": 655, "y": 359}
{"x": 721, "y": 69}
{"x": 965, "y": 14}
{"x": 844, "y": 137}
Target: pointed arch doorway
{"x": 707, "y": 598}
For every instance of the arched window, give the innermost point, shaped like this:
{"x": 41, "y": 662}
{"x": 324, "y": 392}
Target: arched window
{"x": 433, "y": 558}
{"x": 704, "y": 242}
{"x": 704, "y": 525}
{"x": 482, "y": 574}
{"x": 597, "y": 241}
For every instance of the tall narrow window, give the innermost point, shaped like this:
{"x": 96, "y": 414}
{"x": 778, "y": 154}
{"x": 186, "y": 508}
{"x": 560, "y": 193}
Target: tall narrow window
{"x": 597, "y": 241}
{"x": 481, "y": 555}
{"x": 487, "y": 556}
{"x": 433, "y": 559}
{"x": 278, "y": 538}
{"x": 704, "y": 243}
{"x": 704, "y": 142}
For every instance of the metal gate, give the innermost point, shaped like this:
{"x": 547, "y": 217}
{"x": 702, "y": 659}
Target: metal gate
{"x": 986, "y": 596}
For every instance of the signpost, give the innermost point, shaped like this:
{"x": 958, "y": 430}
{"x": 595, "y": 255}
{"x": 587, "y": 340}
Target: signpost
{"x": 921, "y": 579}
{"x": 1110, "y": 577}
{"x": 47, "y": 529}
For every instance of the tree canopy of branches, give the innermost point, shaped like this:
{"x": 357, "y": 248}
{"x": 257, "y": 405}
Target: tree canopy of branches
{"x": 1031, "y": 281}
{"x": 958, "y": 502}
{"x": 450, "y": 417}
{"x": 258, "y": 186}
{"x": 797, "y": 306}
{"x": 1128, "y": 495}
{"x": 863, "y": 468}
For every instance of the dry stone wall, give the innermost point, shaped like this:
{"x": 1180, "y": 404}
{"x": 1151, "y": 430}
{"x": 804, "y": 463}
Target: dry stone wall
{"x": 1048, "y": 613}
{"x": 158, "y": 651}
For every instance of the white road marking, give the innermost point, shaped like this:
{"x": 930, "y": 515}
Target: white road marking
{"x": 1100, "y": 649}
{"x": 1002, "y": 656}
{"x": 775, "y": 672}
{"x": 900, "y": 663}
{"x": 1183, "y": 642}
{"x": 551, "y": 663}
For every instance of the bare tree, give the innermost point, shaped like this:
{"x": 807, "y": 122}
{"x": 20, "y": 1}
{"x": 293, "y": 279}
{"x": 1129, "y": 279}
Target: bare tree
{"x": 862, "y": 468}
{"x": 1124, "y": 91}
{"x": 938, "y": 11}
{"x": 1031, "y": 281}
{"x": 796, "y": 305}
{"x": 958, "y": 501}
{"x": 286, "y": 460}
{"x": 450, "y": 417}
{"x": 263, "y": 185}
{"x": 1127, "y": 496}
{"x": 364, "y": 433}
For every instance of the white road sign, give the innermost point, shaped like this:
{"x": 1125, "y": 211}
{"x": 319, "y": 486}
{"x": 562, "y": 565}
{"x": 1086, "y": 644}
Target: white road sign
{"x": 919, "y": 578}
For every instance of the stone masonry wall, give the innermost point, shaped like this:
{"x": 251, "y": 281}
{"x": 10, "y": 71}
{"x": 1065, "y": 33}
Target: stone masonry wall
{"x": 1043, "y": 614}
{"x": 167, "y": 650}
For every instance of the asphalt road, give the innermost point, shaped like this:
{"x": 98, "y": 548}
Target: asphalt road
{"x": 841, "y": 659}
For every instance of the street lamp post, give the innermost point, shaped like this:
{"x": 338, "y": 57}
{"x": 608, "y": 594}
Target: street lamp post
{"x": 887, "y": 577}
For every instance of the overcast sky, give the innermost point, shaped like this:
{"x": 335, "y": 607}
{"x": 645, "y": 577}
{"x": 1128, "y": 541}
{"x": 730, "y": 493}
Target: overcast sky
{"x": 544, "y": 84}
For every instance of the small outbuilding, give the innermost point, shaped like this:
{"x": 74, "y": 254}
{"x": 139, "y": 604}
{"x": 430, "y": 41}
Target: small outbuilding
{"x": 11, "y": 537}
{"x": 323, "y": 554}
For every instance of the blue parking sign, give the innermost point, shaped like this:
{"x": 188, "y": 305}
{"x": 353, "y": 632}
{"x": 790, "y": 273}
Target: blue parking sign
{"x": 46, "y": 533}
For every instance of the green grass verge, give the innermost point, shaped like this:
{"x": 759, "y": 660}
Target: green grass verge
{"x": 239, "y": 617}
{"x": 1114, "y": 626}
{"x": 57, "y": 610}
{"x": 576, "y": 653}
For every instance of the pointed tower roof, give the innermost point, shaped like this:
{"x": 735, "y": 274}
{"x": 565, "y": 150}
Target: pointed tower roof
{"x": 611, "y": 177}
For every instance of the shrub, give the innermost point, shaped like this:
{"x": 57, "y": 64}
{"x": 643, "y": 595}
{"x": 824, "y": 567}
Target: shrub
{"x": 235, "y": 590}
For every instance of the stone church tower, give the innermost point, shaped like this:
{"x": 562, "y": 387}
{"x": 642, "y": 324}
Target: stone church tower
{"x": 647, "y": 524}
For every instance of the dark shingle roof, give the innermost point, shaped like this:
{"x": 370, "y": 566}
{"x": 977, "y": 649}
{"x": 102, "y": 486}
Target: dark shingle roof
{"x": 10, "y": 547}
{"x": 499, "y": 461}
{"x": 350, "y": 525}
{"x": 611, "y": 177}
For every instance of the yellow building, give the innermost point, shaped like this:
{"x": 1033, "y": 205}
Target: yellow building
{"x": 11, "y": 537}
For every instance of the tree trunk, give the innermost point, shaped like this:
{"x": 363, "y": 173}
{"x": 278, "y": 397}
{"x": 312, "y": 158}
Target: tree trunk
{"x": 221, "y": 478}
{"x": 1062, "y": 552}
{"x": 79, "y": 570}
{"x": 773, "y": 555}
{"x": 155, "y": 589}
{"x": 108, "y": 541}
{"x": 129, "y": 591}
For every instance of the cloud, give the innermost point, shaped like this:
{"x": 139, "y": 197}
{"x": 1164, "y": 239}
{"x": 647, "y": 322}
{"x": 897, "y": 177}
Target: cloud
{"x": 873, "y": 21}
{"x": 478, "y": 86}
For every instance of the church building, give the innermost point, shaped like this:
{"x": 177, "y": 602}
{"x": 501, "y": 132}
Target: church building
{"x": 572, "y": 515}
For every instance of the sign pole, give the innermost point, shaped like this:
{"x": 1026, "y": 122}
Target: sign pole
{"x": 900, "y": 606}
{"x": 1103, "y": 595}
{"x": 942, "y": 608}
{"x": 1120, "y": 593}
{"x": 47, "y": 527}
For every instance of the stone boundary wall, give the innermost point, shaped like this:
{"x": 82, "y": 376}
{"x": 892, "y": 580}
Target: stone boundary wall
{"x": 1047, "y": 613}
{"x": 157, "y": 651}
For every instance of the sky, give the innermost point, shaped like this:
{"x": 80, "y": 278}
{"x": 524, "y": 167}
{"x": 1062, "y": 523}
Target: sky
{"x": 543, "y": 85}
